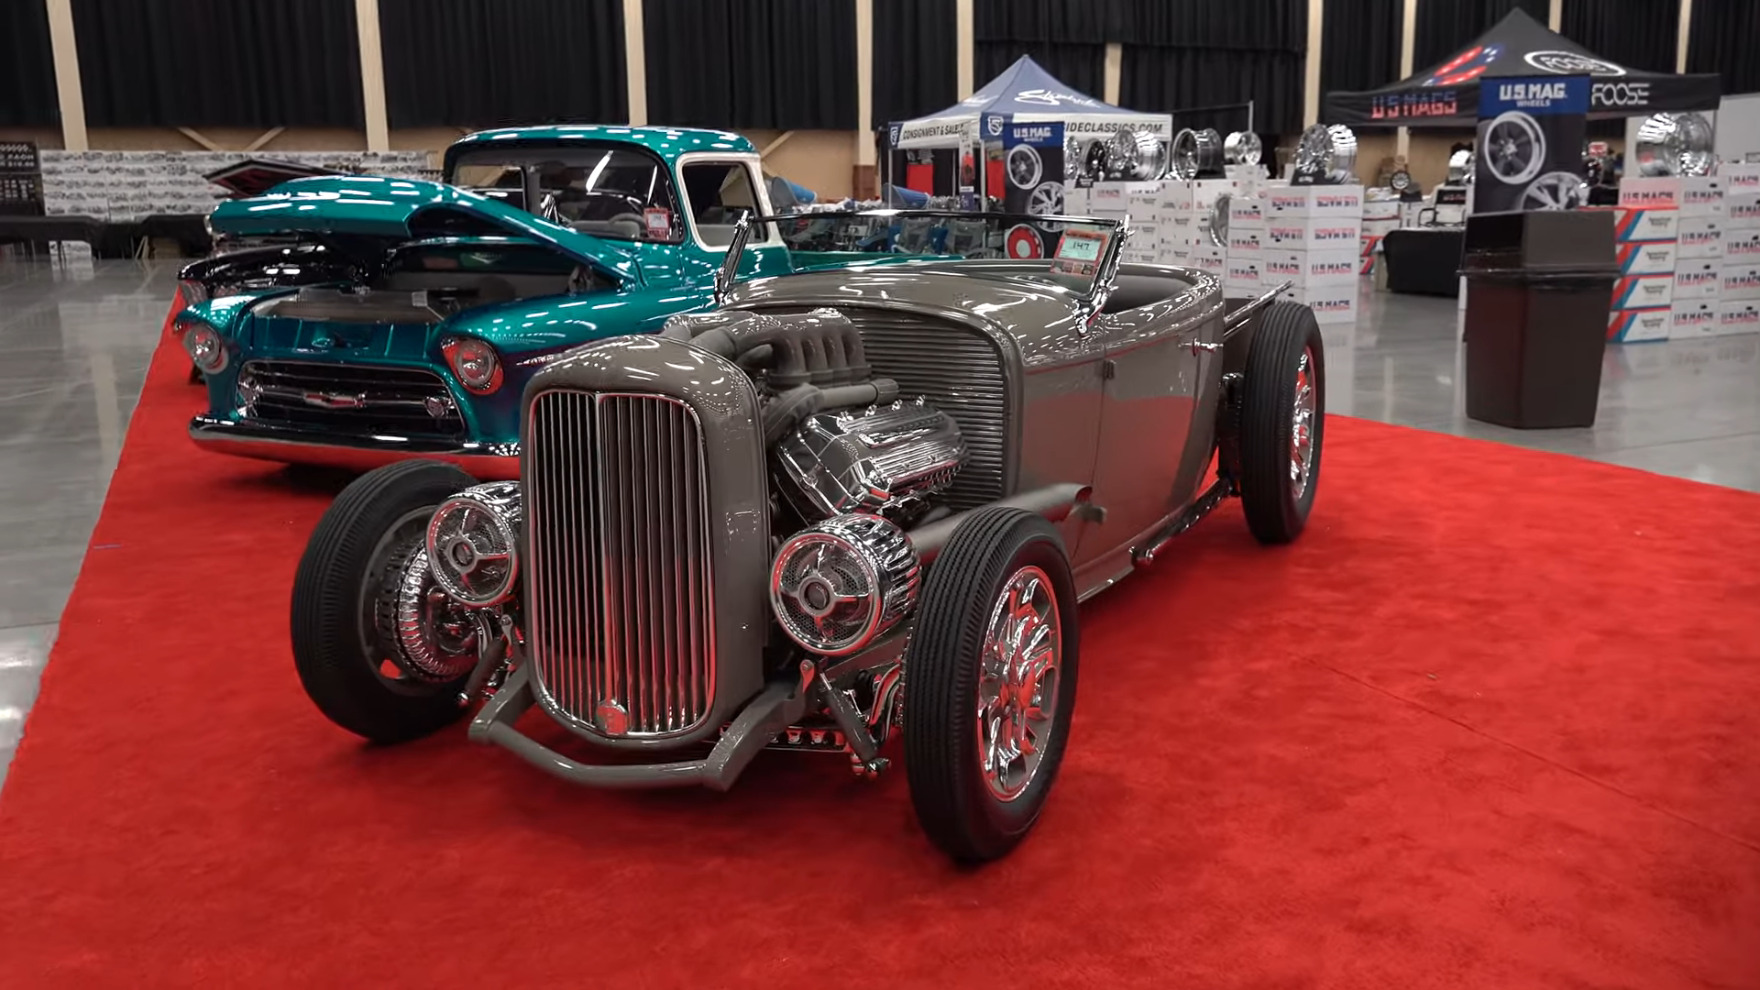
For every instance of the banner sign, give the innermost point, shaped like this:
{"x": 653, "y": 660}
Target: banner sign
{"x": 1030, "y": 155}
{"x": 1530, "y": 149}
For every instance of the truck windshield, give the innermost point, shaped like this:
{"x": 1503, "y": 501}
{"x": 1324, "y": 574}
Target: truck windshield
{"x": 611, "y": 191}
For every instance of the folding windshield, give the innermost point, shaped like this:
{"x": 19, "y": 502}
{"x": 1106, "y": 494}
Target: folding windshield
{"x": 1074, "y": 254}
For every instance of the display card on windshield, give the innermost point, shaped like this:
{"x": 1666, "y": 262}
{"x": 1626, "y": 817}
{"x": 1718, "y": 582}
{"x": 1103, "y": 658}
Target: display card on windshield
{"x": 1079, "y": 252}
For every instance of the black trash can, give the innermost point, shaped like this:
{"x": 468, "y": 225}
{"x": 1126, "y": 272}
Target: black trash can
{"x": 1539, "y": 293}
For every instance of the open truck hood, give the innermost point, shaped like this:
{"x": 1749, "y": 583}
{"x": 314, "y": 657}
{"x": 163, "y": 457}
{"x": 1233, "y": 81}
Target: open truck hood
{"x": 255, "y": 176}
{"x": 414, "y": 209}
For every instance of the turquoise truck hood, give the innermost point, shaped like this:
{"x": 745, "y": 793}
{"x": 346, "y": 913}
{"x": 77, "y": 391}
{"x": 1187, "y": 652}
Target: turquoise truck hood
{"x": 376, "y": 206}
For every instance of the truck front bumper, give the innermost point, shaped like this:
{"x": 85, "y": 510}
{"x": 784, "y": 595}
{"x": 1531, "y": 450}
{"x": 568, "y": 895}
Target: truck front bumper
{"x": 485, "y": 461}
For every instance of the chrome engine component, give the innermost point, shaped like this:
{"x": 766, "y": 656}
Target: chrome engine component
{"x": 435, "y": 639}
{"x": 840, "y": 585}
{"x": 1675, "y": 144}
{"x": 473, "y": 543}
{"x": 881, "y": 459}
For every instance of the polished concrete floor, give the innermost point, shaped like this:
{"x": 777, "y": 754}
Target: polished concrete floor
{"x": 75, "y": 342}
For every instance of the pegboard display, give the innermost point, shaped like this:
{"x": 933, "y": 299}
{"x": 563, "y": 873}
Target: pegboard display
{"x": 124, "y": 186}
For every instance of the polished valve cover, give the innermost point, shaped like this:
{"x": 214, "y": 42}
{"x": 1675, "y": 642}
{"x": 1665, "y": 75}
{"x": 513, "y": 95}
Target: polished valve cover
{"x": 869, "y": 460}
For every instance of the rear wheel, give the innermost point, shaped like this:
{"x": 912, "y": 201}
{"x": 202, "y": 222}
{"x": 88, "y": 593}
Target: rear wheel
{"x": 990, "y": 679}
{"x": 380, "y": 649}
{"x": 1283, "y": 420}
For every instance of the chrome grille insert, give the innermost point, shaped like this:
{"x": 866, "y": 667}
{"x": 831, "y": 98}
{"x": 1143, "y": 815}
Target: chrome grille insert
{"x": 619, "y": 581}
{"x": 351, "y": 399}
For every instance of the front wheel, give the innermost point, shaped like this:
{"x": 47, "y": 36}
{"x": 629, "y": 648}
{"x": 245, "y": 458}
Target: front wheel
{"x": 380, "y": 649}
{"x": 1283, "y": 420}
{"x": 990, "y": 679}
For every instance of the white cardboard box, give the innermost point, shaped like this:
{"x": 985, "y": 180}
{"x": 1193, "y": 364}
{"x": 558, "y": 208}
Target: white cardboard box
{"x": 1740, "y": 282}
{"x": 1742, "y": 247}
{"x": 1245, "y": 239}
{"x": 1330, "y": 303}
{"x": 1311, "y": 268}
{"x": 1246, "y": 211}
{"x": 1312, "y": 233}
{"x": 1643, "y": 292}
{"x": 1696, "y": 279}
{"x": 1654, "y": 258}
{"x": 1738, "y": 316}
{"x": 1700, "y": 237}
{"x": 1692, "y": 318}
{"x": 1381, "y": 209}
{"x": 1631, "y": 326}
{"x": 1209, "y": 257}
{"x": 1380, "y": 228}
{"x": 1701, "y": 196}
{"x": 1739, "y": 177}
{"x": 1741, "y": 211}
{"x": 1313, "y": 201}
{"x": 1645, "y": 225}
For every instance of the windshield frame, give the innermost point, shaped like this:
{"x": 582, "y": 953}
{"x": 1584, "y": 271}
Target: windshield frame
{"x": 1092, "y": 297}
{"x": 527, "y": 156}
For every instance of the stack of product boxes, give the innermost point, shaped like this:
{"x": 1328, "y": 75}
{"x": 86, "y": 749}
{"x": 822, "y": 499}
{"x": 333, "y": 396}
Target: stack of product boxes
{"x": 1689, "y": 255}
{"x": 1312, "y": 238}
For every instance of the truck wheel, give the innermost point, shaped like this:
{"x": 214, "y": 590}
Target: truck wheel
{"x": 365, "y": 560}
{"x": 990, "y": 683}
{"x": 1283, "y": 419}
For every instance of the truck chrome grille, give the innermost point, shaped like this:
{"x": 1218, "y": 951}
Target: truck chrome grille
{"x": 619, "y": 582}
{"x": 959, "y": 371}
{"x": 350, "y": 399}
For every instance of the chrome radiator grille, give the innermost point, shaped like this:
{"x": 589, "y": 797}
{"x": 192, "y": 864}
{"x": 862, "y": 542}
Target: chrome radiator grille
{"x": 958, "y": 369}
{"x": 616, "y": 502}
{"x": 353, "y": 399}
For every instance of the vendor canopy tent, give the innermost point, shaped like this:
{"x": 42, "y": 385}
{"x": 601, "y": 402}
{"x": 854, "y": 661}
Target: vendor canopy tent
{"x": 1027, "y": 94}
{"x": 1448, "y": 94}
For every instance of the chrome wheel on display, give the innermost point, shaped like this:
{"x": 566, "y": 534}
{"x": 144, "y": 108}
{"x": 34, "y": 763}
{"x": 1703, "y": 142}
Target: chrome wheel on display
{"x": 1017, "y": 682}
{"x": 1024, "y": 166}
{"x": 1301, "y": 424}
{"x": 1219, "y": 220}
{"x": 1556, "y": 191}
{"x": 1327, "y": 151}
{"x": 1196, "y": 152}
{"x": 1675, "y": 144}
{"x": 1073, "y": 150}
{"x": 1460, "y": 168}
{"x": 1515, "y": 149}
{"x": 1242, "y": 148}
{"x": 1094, "y": 163}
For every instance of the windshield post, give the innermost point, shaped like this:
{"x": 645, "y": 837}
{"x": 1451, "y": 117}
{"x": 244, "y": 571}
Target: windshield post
{"x": 724, "y": 279}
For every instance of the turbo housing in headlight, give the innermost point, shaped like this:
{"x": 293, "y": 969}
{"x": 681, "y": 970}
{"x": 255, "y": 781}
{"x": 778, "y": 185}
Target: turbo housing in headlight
{"x": 473, "y": 542}
{"x": 205, "y": 346}
{"x": 840, "y": 585}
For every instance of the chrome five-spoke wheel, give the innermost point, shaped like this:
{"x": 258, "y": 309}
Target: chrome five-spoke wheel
{"x": 1301, "y": 424}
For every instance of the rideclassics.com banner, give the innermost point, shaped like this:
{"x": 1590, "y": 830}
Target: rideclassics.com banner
{"x": 1530, "y": 154}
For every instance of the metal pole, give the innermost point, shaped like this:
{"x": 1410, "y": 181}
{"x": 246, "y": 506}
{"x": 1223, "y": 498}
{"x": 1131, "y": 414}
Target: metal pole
{"x": 1249, "y": 116}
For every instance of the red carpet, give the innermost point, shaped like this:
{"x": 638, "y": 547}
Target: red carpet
{"x": 1490, "y": 724}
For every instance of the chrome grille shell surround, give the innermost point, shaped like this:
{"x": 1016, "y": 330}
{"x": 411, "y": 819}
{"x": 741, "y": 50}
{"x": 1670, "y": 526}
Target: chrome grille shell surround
{"x": 652, "y": 636}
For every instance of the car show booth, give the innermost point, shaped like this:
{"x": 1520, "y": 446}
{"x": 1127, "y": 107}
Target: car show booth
{"x": 1025, "y": 107}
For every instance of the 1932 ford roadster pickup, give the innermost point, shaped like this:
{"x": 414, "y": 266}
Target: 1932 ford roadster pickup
{"x": 845, "y": 503}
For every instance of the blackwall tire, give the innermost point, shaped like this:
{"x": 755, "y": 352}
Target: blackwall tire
{"x": 1276, "y": 501}
{"x": 958, "y": 801}
{"x": 337, "y": 648}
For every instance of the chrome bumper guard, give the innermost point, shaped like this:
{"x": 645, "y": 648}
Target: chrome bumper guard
{"x": 489, "y": 461}
{"x": 781, "y": 704}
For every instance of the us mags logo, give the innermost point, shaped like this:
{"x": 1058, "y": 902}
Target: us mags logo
{"x": 1742, "y": 318}
{"x": 1649, "y": 198}
{"x": 1333, "y": 201}
{"x": 1336, "y": 267}
{"x": 1333, "y": 304}
{"x": 1283, "y": 267}
{"x": 1572, "y": 64}
{"x": 1334, "y": 233}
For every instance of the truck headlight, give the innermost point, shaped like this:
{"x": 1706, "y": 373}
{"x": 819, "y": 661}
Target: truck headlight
{"x": 473, "y": 544}
{"x": 474, "y": 362}
{"x": 205, "y": 347}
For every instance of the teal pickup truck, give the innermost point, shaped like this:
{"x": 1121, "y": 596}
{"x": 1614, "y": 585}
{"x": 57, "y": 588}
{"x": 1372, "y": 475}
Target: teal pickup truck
{"x": 391, "y": 318}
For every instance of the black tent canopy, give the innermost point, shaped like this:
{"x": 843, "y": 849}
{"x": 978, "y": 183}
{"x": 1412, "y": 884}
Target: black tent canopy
{"x": 1447, "y": 94}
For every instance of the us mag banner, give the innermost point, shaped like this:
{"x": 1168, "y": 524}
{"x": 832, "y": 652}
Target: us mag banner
{"x": 1530, "y": 154}
{"x": 1032, "y": 178}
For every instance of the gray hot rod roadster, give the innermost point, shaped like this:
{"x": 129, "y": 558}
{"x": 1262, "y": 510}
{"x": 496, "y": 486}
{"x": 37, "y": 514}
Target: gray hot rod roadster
{"x": 843, "y": 504}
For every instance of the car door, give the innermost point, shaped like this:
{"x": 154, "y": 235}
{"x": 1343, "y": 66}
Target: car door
{"x": 1158, "y": 357}
{"x": 717, "y": 189}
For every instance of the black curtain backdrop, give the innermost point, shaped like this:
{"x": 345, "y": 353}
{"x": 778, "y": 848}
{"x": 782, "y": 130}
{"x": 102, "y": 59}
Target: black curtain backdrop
{"x": 1359, "y": 44}
{"x": 1722, "y": 39}
{"x": 916, "y": 64}
{"x": 475, "y": 63}
{"x": 218, "y": 63}
{"x": 27, "y": 67}
{"x": 1446, "y": 26}
{"x": 772, "y": 64}
{"x": 1202, "y": 53}
{"x": 1067, "y": 37}
{"x": 1639, "y": 34}
{"x": 1081, "y": 67}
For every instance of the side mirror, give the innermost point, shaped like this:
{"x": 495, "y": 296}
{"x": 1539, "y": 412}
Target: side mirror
{"x": 729, "y": 273}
